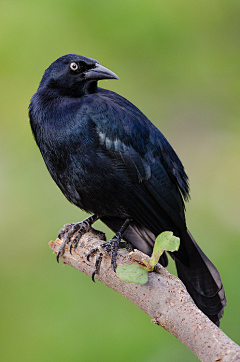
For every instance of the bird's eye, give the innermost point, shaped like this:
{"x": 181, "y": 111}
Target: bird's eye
{"x": 74, "y": 66}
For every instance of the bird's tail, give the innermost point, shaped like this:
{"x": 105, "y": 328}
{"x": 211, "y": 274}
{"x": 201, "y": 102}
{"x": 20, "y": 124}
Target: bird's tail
{"x": 200, "y": 276}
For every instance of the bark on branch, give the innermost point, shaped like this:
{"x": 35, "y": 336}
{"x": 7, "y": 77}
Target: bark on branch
{"x": 164, "y": 298}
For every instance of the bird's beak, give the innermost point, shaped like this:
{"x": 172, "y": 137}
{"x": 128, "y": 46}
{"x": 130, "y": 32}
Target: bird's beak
{"x": 100, "y": 72}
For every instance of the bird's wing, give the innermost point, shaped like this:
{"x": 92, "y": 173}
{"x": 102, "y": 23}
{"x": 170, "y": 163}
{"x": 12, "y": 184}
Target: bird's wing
{"x": 139, "y": 148}
{"x": 123, "y": 127}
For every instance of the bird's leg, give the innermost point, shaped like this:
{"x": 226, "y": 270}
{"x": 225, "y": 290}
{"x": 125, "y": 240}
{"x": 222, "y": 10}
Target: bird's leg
{"x": 115, "y": 241}
{"x": 109, "y": 248}
{"x": 76, "y": 230}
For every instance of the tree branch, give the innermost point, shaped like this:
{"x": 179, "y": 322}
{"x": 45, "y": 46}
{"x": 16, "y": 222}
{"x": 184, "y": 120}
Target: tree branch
{"x": 164, "y": 298}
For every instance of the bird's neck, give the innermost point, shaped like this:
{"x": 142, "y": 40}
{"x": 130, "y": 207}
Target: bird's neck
{"x": 76, "y": 90}
{"x": 89, "y": 87}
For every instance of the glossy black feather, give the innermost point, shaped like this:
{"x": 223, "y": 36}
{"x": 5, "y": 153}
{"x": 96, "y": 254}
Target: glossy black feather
{"x": 109, "y": 159}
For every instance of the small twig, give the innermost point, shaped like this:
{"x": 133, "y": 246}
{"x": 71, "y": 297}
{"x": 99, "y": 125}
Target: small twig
{"x": 164, "y": 298}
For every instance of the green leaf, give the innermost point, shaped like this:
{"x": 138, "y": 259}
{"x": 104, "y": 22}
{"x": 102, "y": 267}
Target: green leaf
{"x": 132, "y": 273}
{"x": 165, "y": 241}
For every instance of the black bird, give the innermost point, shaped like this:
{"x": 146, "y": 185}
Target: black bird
{"x": 110, "y": 160}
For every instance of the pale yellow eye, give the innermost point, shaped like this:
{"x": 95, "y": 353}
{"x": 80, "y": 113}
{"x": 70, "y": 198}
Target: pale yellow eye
{"x": 74, "y": 66}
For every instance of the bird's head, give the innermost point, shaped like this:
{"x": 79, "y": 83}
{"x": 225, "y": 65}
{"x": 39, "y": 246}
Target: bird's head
{"x": 75, "y": 75}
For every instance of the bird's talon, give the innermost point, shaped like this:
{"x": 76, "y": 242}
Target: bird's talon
{"x": 97, "y": 265}
{"x": 58, "y": 254}
{"x": 93, "y": 275}
{"x": 92, "y": 252}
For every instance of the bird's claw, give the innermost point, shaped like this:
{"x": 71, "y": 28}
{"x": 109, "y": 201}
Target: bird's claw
{"x": 71, "y": 234}
{"x": 106, "y": 248}
{"x": 58, "y": 255}
{"x": 92, "y": 252}
{"x": 97, "y": 266}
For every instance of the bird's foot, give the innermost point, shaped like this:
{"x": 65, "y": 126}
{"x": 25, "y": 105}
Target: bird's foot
{"x": 109, "y": 248}
{"x": 71, "y": 234}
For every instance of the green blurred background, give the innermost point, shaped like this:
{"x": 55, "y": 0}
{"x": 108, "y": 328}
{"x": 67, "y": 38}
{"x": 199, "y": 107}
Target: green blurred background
{"x": 178, "y": 61}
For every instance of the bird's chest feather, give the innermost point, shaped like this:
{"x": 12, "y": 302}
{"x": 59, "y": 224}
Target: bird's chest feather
{"x": 73, "y": 155}
{"x": 68, "y": 149}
